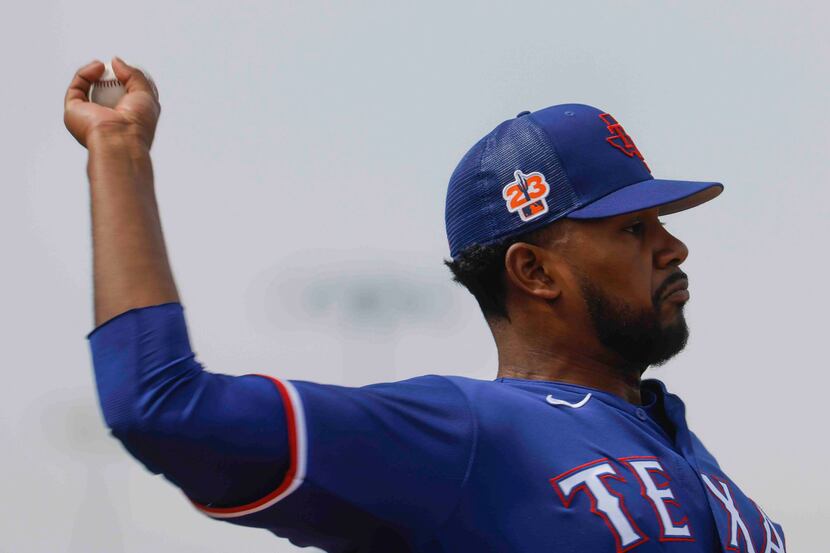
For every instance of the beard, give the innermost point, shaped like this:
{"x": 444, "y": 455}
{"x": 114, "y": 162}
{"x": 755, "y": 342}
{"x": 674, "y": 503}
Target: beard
{"x": 638, "y": 336}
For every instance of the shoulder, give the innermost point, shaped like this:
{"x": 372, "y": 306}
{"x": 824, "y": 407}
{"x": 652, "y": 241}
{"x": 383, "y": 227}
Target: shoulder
{"x": 427, "y": 388}
{"x": 415, "y": 403}
{"x": 456, "y": 403}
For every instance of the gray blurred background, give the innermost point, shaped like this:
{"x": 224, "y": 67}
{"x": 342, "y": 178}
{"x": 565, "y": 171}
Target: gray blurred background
{"x": 301, "y": 163}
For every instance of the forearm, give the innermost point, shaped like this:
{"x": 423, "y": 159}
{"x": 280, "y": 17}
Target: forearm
{"x": 130, "y": 265}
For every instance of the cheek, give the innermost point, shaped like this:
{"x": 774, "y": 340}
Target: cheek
{"x": 634, "y": 289}
{"x": 621, "y": 268}
{"x": 626, "y": 275}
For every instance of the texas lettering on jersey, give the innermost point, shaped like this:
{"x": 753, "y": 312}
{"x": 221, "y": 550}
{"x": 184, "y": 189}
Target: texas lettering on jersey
{"x": 608, "y": 484}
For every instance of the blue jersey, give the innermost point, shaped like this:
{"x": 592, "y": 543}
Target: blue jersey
{"x": 430, "y": 464}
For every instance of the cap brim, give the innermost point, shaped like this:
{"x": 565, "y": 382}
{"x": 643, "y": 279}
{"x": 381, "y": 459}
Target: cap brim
{"x": 670, "y": 196}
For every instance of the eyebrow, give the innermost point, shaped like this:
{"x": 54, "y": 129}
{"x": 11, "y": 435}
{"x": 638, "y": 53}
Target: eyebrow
{"x": 639, "y": 219}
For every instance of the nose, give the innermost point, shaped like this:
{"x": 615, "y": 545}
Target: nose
{"x": 671, "y": 251}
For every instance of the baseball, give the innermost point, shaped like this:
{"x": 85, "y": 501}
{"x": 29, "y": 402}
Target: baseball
{"x": 107, "y": 90}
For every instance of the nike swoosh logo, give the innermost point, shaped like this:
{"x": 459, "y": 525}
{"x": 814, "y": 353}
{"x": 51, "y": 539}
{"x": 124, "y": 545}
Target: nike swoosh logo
{"x": 553, "y": 401}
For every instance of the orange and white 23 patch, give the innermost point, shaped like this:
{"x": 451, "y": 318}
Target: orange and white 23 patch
{"x": 526, "y": 195}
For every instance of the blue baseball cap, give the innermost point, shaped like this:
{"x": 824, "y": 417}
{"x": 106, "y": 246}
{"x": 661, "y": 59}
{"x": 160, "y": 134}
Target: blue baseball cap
{"x": 569, "y": 160}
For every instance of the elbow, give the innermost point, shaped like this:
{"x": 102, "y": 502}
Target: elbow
{"x": 130, "y": 425}
{"x": 154, "y": 427}
{"x": 136, "y": 433}
{"x": 156, "y": 407}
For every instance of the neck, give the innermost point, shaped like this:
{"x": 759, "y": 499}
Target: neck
{"x": 601, "y": 371}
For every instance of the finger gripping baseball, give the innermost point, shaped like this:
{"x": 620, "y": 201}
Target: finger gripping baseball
{"x": 117, "y": 80}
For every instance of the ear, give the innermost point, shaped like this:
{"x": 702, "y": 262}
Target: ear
{"x": 529, "y": 268}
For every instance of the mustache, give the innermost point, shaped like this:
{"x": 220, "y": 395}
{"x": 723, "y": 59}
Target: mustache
{"x": 671, "y": 279}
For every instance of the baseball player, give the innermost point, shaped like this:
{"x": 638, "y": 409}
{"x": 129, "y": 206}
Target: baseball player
{"x": 554, "y": 225}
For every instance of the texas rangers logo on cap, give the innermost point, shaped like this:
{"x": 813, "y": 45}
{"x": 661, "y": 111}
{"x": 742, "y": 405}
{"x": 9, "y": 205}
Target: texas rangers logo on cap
{"x": 620, "y": 139}
{"x": 526, "y": 195}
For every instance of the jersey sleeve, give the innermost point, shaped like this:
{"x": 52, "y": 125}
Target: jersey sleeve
{"x": 329, "y": 466}
{"x": 221, "y": 439}
{"x": 369, "y": 465}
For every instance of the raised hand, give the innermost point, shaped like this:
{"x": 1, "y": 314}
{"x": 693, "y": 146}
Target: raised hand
{"x": 136, "y": 114}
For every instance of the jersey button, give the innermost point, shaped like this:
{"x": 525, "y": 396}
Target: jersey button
{"x": 641, "y": 414}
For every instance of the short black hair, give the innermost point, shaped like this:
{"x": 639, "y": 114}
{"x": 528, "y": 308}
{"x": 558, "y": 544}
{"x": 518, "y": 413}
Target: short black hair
{"x": 480, "y": 269}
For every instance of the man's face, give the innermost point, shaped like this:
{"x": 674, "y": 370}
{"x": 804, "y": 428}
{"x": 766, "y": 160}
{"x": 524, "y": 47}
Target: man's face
{"x": 624, "y": 267}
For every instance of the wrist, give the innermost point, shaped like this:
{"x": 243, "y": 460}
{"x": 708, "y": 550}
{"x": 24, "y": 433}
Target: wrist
{"x": 117, "y": 136}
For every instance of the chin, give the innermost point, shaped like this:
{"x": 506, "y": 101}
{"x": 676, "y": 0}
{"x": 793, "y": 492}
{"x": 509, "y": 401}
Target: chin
{"x": 673, "y": 341}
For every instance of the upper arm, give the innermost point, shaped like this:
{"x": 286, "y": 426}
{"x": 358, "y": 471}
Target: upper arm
{"x": 382, "y": 458}
{"x": 221, "y": 439}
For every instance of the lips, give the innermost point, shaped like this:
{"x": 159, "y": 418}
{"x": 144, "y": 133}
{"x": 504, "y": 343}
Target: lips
{"x": 679, "y": 290}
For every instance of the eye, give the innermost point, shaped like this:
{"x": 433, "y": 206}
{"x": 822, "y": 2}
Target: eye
{"x": 638, "y": 227}
{"x": 635, "y": 228}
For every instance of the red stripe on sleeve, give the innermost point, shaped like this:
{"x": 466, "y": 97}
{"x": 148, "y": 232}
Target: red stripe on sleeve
{"x": 292, "y": 467}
